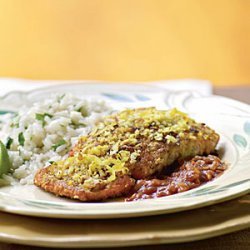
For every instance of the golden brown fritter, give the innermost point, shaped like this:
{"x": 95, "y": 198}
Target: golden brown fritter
{"x": 133, "y": 143}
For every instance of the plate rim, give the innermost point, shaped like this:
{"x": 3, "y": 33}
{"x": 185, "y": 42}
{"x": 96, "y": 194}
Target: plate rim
{"x": 163, "y": 236}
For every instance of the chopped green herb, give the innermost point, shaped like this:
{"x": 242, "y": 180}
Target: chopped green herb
{"x": 61, "y": 97}
{"x": 41, "y": 117}
{"x": 49, "y": 115}
{"x": 60, "y": 143}
{"x": 14, "y": 125}
{"x": 83, "y": 110}
{"x": 51, "y": 162}
{"x": 79, "y": 109}
{"x": 78, "y": 125}
{"x": 21, "y": 139}
{"x": 82, "y": 125}
{"x": 15, "y": 121}
{"x": 9, "y": 142}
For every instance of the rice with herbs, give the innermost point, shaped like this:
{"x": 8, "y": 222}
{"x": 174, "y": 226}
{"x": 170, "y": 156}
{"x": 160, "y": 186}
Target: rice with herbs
{"x": 39, "y": 135}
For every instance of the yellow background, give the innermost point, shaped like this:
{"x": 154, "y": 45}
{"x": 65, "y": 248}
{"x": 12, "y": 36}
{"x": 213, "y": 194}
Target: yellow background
{"x": 127, "y": 40}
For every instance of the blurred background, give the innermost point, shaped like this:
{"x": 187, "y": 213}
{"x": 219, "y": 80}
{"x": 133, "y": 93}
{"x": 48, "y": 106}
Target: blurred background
{"x": 126, "y": 40}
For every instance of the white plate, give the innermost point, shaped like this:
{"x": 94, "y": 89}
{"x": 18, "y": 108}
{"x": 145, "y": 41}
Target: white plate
{"x": 231, "y": 119}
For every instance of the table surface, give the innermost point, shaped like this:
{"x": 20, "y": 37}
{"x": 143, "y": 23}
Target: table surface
{"x": 237, "y": 241}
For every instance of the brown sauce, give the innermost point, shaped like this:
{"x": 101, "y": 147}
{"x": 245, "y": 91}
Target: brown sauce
{"x": 191, "y": 174}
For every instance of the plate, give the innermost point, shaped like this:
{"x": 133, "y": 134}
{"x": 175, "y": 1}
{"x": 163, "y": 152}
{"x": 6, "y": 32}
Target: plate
{"x": 186, "y": 226}
{"x": 231, "y": 119}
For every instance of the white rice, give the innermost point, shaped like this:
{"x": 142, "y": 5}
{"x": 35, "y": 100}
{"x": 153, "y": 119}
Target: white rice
{"x": 45, "y": 133}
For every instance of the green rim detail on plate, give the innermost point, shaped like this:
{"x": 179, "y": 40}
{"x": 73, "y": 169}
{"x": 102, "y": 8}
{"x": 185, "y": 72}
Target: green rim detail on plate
{"x": 118, "y": 97}
{"x": 240, "y": 140}
{"x": 247, "y": 127}
{"x": 4, "y": 112}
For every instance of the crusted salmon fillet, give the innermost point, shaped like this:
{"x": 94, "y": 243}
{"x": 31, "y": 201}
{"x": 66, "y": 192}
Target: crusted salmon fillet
{"x": 132, "y": 144}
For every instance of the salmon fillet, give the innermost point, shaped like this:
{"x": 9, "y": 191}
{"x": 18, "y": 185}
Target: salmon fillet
{"x": 132, "y": 144}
